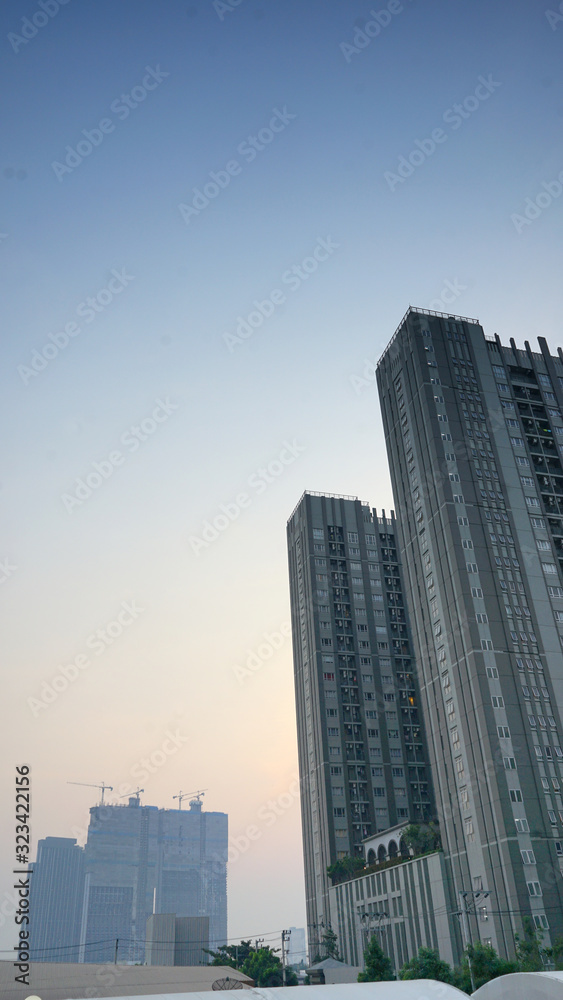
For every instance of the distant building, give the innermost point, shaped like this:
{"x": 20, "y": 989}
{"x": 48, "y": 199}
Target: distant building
{"x": 140, "y": 860}
{"x": 297, "y": 951}
{"x": 362, "y": 751}
{"x": 173, "y": 940}
{"x": 92, "y": 904}
{"x": 191, "y": 878}
{"x": 57, "y": 886}
{"x": 120, "y": 877}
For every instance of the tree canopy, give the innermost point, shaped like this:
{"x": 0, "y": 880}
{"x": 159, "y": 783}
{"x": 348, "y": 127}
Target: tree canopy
{"x": 260, "y": 964}
{"x": 427, "y": 964}
{"x": 345, "y": 868}
{"x": 377, "y": 965}
{"x": 421, "y": 837}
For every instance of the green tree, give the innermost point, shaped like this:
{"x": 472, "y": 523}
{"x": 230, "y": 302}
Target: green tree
{"x": 233, "y": 955}
{"x": 345, "y": 868}
{"x": 328, "y": 946}
{"x": 486, "y": 965}
{"x": 528, "y": 949}
{"x": 421, "y": 837}
{"x": 377, "y": 965}
{"x": 261, "y": 964}
{"x": 265, "y": 968}
{"x": 557, "y": 953}
{"x": 427, "y": 964}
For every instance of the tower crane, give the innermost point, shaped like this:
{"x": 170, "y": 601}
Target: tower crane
{"x": 86, "y": 784}
{"x": 134, "y": 795}
{"x": 185, "y": 795}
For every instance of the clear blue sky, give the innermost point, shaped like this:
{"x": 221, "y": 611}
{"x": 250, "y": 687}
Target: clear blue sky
{"x": 342, "y": 119}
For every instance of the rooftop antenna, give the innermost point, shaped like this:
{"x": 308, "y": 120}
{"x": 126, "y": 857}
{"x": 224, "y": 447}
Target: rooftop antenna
{"x": 102, "y": 785}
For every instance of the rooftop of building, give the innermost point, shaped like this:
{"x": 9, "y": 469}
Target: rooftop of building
{"x": 68, "y": 981}
{"x": 416, "y": 310}
{"x": 343, "y": 496}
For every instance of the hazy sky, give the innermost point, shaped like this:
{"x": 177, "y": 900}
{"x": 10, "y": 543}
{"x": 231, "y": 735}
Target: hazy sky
{"x": 166, "y": 401}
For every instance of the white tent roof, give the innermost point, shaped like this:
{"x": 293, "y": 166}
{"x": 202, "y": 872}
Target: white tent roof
{"x": 414, "y": 989}
{"x": 523, "y": 986}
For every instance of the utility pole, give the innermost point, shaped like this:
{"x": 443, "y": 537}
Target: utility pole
{"x": 464, "y": 896}
{"x": 116, "y": 949}
{"x": 258, "y": 941}
{"x": 465, "y": 930}
{"x": 285, "y": 937}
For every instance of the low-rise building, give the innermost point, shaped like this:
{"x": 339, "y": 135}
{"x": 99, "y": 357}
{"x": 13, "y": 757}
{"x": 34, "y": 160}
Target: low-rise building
{"x": 404, "y": 901}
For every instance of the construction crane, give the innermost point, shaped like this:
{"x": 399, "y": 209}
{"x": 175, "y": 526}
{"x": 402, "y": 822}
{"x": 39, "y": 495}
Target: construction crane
{"x": 185, "y": 795}
{"x": 102, "y": 785}
{"x": 136, "y": 794}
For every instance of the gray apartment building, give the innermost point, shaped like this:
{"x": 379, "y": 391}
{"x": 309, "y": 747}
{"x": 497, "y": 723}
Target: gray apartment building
{"x": 362, "y": 754}
{"x": 56, "y": 890}
{"x": 474, "y": 433}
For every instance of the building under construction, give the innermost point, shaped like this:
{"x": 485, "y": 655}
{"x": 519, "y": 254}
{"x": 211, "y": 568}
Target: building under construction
{"x": 138, "y": 860}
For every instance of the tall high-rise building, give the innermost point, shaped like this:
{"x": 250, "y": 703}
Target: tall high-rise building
{"x": 474, "y": 434}
{"x": 57, "y": 886}
{"x": 121, "y": 856}
{"x": 140, "y": 860}
{"x": 192, "y": 876}
{"x": 362, "y": 756}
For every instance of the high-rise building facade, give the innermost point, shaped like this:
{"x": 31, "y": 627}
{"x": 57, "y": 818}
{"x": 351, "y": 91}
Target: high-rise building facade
{"x": 192, "y": 876}
{"x": 89, "y": 903}
{"x": 362, "y": 757}
{"x": 141, "y": 860}
{"x": 56, "y": 889}
{"x": 120, "y": 863}
{"x": 474, "y": 434}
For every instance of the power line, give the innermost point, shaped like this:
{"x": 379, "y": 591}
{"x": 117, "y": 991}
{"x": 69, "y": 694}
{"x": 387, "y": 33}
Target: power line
{"x": 273, "y": 935}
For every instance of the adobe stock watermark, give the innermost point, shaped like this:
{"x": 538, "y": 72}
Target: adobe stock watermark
{"x": 555, "y": 18}
{"x": 293, "y": 278}
{"x": 454, "y": 117}
{"x": 121, "y": 108}
{"x": 98, "y": 642}
{"x": 273, "y": 641}
{"x": 131, "y": 439}
{"x": 267, "y": 815}
{"x": 258, "y": 482}
{"x": 87, "y": 310}
{"x": 533, "y": 207}
{"x": 30, "y": 26}
{"x": 363, "y": 37}
{"x": 6, "y": 571}
{"x": 249, "y": 149}
{"x": 449, "y": 293}
{"x": 223, "y": 7}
